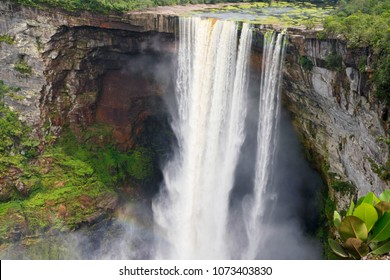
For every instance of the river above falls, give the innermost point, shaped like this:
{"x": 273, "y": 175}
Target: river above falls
{"x": 279, "y": 13}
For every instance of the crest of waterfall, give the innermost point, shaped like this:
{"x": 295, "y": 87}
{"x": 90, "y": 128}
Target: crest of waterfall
{"x": 269, "y": 111}
{"x": 191, "y": 212}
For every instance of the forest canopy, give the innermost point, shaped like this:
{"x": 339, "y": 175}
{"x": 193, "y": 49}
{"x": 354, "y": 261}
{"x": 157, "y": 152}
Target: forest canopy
{"x": 105, "y": 6}
{"x": 366, "y": 23}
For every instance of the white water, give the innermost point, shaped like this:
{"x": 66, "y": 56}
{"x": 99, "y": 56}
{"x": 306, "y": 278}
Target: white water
{"x": 191, "y": 213}
{"x": 269, "y": 109}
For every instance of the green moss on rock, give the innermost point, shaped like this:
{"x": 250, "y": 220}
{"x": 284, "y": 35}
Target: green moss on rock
{"x": 343, "y": 187}
{"x": 8, "y": 39}
{"x": 22, "y": 67}
{"x": 71, "y": 183}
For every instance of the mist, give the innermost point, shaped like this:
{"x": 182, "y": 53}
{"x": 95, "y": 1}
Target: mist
{"x": 292, "y": 215}
{"x": 293, "y": 210}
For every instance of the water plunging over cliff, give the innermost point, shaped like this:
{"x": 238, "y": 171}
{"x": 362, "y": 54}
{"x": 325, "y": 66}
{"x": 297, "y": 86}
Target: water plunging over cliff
{"x": 269, "y": 111}
{"x": 196, "y": 214}
{"x": 192, "y": 212}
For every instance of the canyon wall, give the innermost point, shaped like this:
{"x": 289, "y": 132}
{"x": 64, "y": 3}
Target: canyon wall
{"x": 328, "y": 88}
{"x": 83, "y": 68}
{"x": 78, "y": 76}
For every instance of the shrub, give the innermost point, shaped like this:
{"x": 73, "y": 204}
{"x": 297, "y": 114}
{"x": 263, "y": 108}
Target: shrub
{"x": 365, "y": 230}
{"x": 8, "y": 39}
{"x": 366, "y": 24}
{"x": 362, "y": 65}
{"x": 22, "y": 67}
{"x": 306, "y": 63}
{"x": 343, "y": 187}
{"x": 334, "y": 62}
{"x": 111, "y": 165}
{"x": 310, "y": 23}
{"x": 382, "y": 80}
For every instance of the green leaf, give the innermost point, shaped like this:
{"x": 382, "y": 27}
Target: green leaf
{"x": 381, "y": 231}
{"x": 360, "y": 200}
{"x": 382, "y": 207}
{"x": 370, "y": 198}
{"x": 351, "y": 207}
{"x": 382, "y": 249}
{"x": 385, "y": 196}
{"x": 353, "y": 227}
{"x": 337, "y": 249}
{"x": 366, "y": 213}
{"x": 356, "y": 247}
{"x": 336, "y": 219}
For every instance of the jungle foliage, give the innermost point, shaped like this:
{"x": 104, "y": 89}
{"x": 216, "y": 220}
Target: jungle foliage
{"x": 366, "y": 23}
{"x": 105, "y": 6}
{"x": 365, "y": 229}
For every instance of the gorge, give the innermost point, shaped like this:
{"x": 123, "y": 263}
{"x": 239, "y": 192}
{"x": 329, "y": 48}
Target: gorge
{"x": 111, "y": 81}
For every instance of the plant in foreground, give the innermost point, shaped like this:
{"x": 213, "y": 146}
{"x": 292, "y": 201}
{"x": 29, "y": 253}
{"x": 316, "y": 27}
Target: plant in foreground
{"x": 365, "y": 230}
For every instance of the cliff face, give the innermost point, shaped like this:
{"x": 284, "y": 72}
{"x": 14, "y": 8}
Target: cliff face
{"x": 88, "y": 68}
{"x": 75, "y": 60}
{"x": 335, "y": 109}
{"x": 82, "y": 73}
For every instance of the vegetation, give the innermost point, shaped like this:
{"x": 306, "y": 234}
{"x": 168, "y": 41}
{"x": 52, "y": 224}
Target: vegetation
{"x": 6, "y": 38}
{"x": 113, "y": 5}
{"x": 306, "y": 63}
{"x": 366, "y": 23}
{"x": 343, "y": 187}
{"x": 126, "y": 5}
{"x": 22, "y": 67}
{"x": 334, "y": 62}
{"x": 365, "y": 230}
{"x": 14, "y": 136}
{"x": 110, "y": 165}
{"x": 295, "y": 13}
{"x": 383, "y": 171}
{"x": 65, "y": 185}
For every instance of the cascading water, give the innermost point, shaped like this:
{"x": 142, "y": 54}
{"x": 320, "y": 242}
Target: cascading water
{"x": 269, "y": 109}
{"x": 191, "y": 212}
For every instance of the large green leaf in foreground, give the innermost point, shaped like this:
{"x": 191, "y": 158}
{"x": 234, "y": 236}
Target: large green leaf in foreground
{"x": 353, "y": 227}
{"x": 381, "y": 231}
{"x": 370, "y": 198}
{"x": 350, "y": 209}
{"x": 385, "y": 196}
{"x": 337, "y": 249}
{"x": 336, "y": 219}
{"x": 367, "y": 213}
{"x": 382, "y": 248}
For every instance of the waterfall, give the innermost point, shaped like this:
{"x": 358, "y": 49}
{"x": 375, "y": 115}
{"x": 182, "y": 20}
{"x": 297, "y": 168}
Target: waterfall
{"x": 191, "y": 212}
{"x": 269, "y": 107}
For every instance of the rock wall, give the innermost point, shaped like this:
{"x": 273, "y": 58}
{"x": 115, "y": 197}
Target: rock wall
{"x": 335, "y": 109}
{"x": 74, "y": 58}
{"x": 71, "y": 56}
